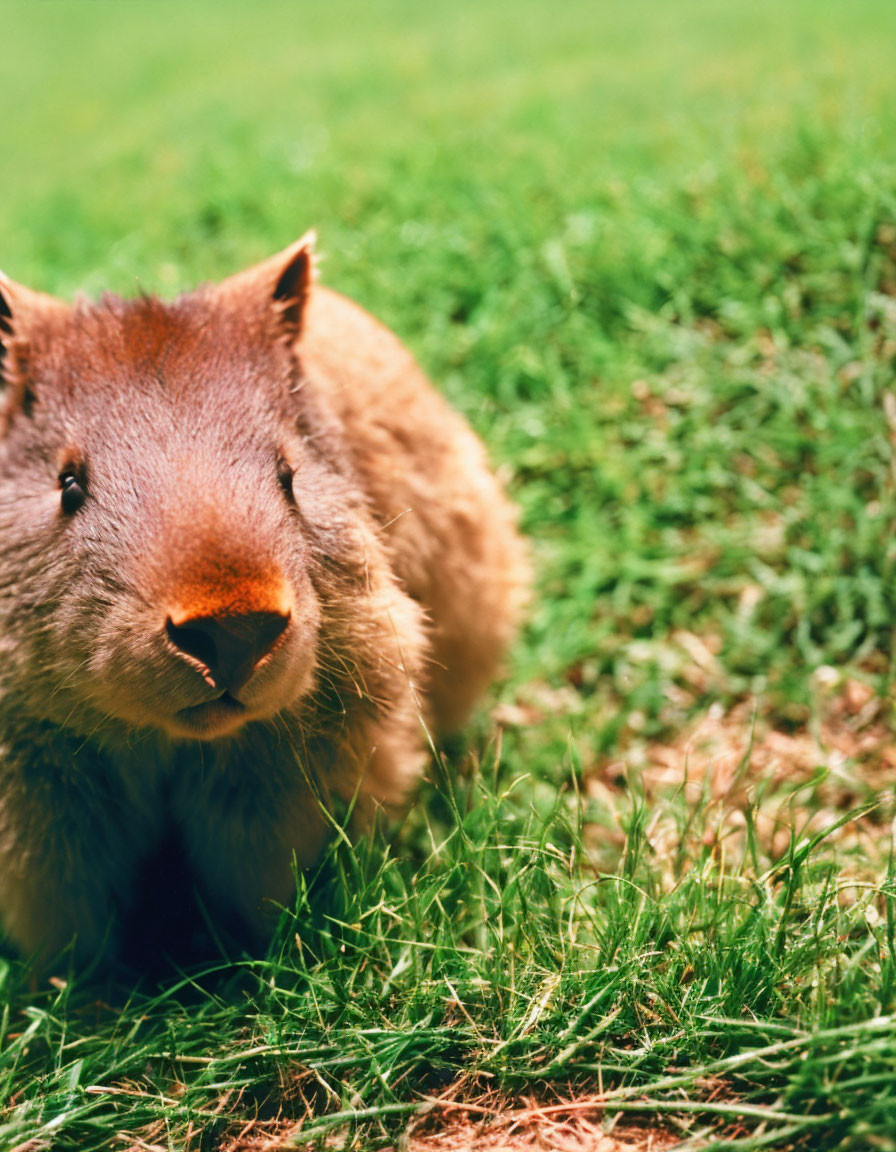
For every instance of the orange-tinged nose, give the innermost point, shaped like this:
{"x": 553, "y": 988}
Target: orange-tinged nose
{"x": 228, "y": 647}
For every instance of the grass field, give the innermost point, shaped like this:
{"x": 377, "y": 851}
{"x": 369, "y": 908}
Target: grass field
{"x": 650, "y": 250}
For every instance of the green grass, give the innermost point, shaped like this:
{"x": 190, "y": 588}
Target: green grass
{"x": 650, "y": 250}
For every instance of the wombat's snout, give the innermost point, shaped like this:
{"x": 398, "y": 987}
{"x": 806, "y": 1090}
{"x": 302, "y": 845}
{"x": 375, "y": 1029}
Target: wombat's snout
{"x": 234, "y": 630}
{"x": 226, "y": 648}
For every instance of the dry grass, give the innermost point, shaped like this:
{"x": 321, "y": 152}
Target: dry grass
{"x": 737, "y": 765}
{"x": 487, "y": 1123}
{"x": 579, "y": 1125}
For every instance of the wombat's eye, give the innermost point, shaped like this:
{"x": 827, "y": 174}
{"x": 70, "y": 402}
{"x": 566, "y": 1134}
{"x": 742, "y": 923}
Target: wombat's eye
{"x": 74, "y": 491}
{"x": 284, "y": 479}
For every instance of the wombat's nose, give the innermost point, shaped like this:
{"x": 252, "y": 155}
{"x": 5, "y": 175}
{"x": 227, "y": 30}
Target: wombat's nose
{"x": 229, "y": 648}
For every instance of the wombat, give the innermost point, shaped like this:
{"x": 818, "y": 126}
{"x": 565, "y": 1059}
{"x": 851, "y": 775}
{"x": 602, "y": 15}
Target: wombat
{"x": 248, "y": 558}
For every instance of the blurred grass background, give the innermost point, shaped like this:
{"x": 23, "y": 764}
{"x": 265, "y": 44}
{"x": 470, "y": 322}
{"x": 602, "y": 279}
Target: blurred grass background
{"x": 549, "y": 204}
{"x": 650, "y": 250}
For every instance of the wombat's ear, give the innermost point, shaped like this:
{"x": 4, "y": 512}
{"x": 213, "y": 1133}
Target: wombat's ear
{"x": 279, "y": 284}
{"x": 22, "y": 312}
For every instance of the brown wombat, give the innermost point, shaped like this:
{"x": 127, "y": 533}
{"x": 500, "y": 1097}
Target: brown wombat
{"x": 247, "y": 555}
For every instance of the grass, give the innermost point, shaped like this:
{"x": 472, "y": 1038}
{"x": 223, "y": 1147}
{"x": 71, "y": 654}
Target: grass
{"x": 650, "y": 250}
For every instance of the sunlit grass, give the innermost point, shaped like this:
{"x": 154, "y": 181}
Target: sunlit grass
{"x": 650, "y": 251}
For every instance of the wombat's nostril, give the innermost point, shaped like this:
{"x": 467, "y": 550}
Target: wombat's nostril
{"x": 228, "y": 647}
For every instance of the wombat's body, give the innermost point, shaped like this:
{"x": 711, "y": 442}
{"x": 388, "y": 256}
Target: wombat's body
{"x": 246, "y": 551}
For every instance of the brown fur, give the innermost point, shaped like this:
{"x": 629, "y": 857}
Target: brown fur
{"x": 260, "y": 454}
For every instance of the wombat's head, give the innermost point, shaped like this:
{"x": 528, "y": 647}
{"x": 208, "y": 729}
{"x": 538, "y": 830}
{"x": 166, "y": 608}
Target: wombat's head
{"x": 173, "y": 509}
